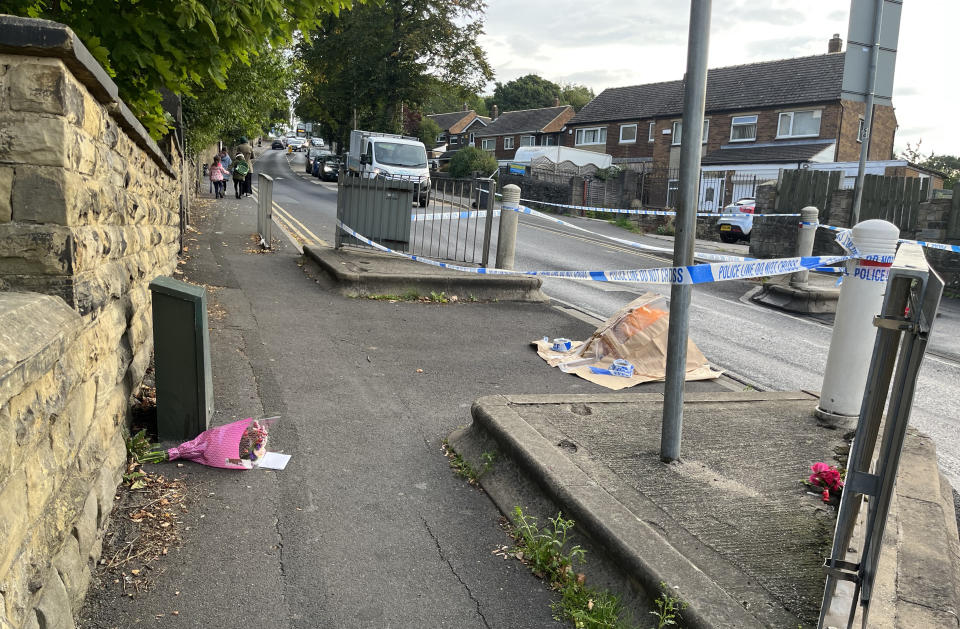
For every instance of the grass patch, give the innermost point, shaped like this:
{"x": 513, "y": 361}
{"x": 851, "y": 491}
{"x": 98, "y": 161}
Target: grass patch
{"x": 625, "y": 223}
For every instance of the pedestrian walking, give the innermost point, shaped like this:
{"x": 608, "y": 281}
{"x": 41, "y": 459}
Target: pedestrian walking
{"x": 217, "y": 174}
{"x": 240, "y": 171}
{"x": 246, "y": 149}
{"x": 226, "y": 162}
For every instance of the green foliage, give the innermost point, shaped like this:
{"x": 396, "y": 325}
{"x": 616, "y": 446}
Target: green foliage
{"x": 428, "y": 132}
{"x": 949, "y": 165}
{"x": 255, "y": 98}
{"x": 139, "y": 449}
{"x": 362, "y": 68}
{"x": 610, "y": 172}
{"x": 546, "y": 551}
{"x": 668, "y": 608}
{"x": 527, "y": 92}
{"x": 443, "y": 98}
{"x": 470, "y": 159}
{"x": 182, "y": 46}
{"x": 576, "y": 95}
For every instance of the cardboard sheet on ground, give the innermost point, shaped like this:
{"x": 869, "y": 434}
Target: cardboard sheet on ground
{"x": 636, "y": 333}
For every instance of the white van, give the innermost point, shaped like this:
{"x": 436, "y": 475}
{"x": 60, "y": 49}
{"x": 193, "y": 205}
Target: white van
{"x": 392, "y": 156}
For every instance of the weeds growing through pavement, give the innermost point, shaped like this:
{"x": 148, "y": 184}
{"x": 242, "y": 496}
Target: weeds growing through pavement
{"x": 668, "y": 608}
{"x": 413, "y": 295}
{"x": 463, "y": 468}
{"x": 548, "y": 553}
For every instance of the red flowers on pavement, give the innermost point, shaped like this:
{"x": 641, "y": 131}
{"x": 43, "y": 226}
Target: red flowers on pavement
{"x": 827, "y": 478}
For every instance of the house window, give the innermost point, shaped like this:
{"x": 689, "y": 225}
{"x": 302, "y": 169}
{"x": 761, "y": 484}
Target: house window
{"x": 628, "y": 133}
{"x": 488, "y": 144}
{"x": 678, "y": 131}
{"x": 799, "y": 124}
{"x": 549, "y": 140}
{"x": 441, "y": 138}
{"x": 594, "y": 135}
{"x": 471, "y": 138}
{"x": 454, "y": 139}
{"x": 860, "y": 130}
{"x": 650, "y": 131}
{"x": 528, "y": 140}
{"x": 508, "y": 143}
{"x": 743, "y": 129}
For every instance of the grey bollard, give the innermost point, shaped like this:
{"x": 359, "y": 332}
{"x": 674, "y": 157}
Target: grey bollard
{"x": 507, "y": 236}
{"x": 805, "y": 238}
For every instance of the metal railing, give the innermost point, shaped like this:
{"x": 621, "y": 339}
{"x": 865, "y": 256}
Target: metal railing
{"x": 447, "y": 221}
{"x": 904, "y": 324}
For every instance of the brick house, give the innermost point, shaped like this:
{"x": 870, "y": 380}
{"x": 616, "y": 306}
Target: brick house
{"x": 526, "y": 127}
{"x": 783, "y": 113}
{"x": 457, "y": 128}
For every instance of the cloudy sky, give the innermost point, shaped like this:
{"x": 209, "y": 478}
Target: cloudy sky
{"x": 611, "y": 43}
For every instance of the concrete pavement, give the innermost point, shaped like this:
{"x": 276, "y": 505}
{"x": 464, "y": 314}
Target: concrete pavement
{"x": 368, "y": 528}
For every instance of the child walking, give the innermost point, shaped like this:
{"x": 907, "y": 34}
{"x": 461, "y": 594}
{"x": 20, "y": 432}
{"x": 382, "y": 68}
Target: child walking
{"x": 217, "y": 173}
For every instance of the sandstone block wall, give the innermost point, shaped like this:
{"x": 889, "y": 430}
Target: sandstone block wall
{"x": 89, "y": 214}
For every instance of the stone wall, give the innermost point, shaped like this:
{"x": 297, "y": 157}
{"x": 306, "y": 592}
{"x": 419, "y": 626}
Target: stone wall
{"x": 89, "y": 214}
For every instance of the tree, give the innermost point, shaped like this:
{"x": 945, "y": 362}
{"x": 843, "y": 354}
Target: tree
{"x": 428, "y": 132}
{"x": 255, "y": 98}
{"x": 180, "y": 45}
{"x": 527, "y": 92}
{"x": 948, "y": 165}
{"x": 364, "y": 67}
{"x": 577, "y": 96}
{"x": 443, "y": 98}
{"x": 470, "y": 159}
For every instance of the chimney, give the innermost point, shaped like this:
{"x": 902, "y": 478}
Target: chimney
{"x": 556, "y": 101}
{"x": 494, "y": 112}
{"x": 464, "y": 105}
{"x": 835, "y": 44}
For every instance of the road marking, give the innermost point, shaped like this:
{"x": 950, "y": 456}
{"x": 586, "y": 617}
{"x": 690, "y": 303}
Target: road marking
{"x": 316, "y": 239}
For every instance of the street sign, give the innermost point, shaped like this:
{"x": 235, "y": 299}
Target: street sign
{"x": 308, "y": 126}
{"x": 860, "y": 37}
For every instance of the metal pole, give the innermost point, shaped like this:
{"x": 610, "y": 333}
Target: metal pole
{"x": 694, "y": 99}
{"x": 809, "y": 219}
{"x": 867, "y": 116}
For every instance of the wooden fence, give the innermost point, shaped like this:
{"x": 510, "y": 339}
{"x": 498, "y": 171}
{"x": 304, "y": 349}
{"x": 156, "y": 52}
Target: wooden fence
{"x": 799, "y": 188}
{"x": 894, "y": 199}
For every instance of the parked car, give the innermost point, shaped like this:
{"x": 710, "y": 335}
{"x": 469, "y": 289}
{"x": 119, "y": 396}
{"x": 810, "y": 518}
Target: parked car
{"x": 277, "y": 145}
{"x": 737, "y": 227}
{"x": 317, "y": 142}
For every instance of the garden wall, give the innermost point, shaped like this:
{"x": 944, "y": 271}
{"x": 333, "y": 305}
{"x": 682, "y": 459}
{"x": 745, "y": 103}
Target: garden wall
{"x": 89, "y": 214}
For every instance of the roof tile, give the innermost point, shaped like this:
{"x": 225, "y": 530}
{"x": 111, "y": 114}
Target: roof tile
{"x": 766, "y": 84}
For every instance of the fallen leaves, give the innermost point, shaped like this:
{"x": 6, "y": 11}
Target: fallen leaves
{"x": 144, "y": 526}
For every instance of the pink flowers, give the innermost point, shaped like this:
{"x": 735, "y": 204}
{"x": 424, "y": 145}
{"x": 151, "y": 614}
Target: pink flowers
{"x": 827, "y": 478}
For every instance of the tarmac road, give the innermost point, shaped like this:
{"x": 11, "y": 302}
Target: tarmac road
{"x": 762, "y": 347}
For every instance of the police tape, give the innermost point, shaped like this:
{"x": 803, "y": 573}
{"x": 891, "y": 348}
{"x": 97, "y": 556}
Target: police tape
{"x": 712, "y": 257}
{"x": 613, "y": 210}
{"x": 932, "y": 245}
{"x": 692, "y": 274}
{"x": 440, "y": 216}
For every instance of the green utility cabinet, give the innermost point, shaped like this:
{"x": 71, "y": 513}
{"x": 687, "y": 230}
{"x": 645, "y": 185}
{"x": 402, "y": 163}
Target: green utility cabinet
{"x": 181, "y": 349}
